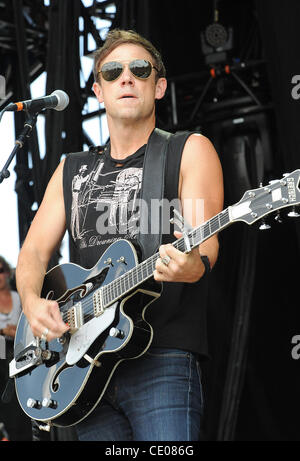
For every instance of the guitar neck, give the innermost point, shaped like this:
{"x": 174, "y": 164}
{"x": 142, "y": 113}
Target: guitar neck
{"x": 203, "y": 232}
{"x": 143, "y": 271}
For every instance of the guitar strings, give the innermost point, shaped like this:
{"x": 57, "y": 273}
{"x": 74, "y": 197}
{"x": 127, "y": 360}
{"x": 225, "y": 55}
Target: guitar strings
{"x": 115, "y": 289}
{"x": 110, "y": 289}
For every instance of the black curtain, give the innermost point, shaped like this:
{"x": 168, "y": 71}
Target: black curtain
{"x": 269, "y": 405}
{"x": 281, "y": 34}
{"x": 251, "y": 380}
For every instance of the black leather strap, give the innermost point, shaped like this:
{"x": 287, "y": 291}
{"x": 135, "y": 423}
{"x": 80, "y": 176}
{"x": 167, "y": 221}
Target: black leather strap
{"x": 152, "y": 189}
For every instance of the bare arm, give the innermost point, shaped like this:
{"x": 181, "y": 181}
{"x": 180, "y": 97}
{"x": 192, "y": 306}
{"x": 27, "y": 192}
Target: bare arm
{"x": 44, "y": 235}
{"x": 201, "y": 195}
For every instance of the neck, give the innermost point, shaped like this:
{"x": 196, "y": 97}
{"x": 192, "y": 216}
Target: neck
{"x": 125, "y": 139}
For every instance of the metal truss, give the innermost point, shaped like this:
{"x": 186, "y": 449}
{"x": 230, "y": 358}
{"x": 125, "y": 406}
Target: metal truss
{"x": 41, "y": 36}
{"x": 56, "y": 37}
{"x": 23, "y": 41}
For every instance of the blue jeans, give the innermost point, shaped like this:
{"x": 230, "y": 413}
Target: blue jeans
{"x": 157, "y": 397}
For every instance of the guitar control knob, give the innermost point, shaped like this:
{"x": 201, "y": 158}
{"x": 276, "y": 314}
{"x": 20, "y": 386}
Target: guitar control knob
{"x": 32, "y": 403}
{"x": 293, "y": 213}
{"x": 108, "y": 261}
{"x": 49, "y": 403}
{"x": 116, "y": 333}
{"x": 264, "y": 225}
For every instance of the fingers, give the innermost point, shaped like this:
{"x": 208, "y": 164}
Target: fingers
{"x": 166, "y": 265}
{"x": 174, "y": 256}
{"x": 176, "y": 266}
{"x": 45, "y": 320}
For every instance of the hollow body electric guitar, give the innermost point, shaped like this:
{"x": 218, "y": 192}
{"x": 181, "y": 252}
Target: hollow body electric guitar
{"x": 61, "y": 382}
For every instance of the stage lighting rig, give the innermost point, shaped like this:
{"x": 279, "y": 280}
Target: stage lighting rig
{"x": 216, "y": 40}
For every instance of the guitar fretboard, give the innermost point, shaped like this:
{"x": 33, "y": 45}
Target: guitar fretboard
{"x": 143, "y": 271}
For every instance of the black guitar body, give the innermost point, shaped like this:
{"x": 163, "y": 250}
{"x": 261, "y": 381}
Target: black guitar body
{"x": 62, "y": 393}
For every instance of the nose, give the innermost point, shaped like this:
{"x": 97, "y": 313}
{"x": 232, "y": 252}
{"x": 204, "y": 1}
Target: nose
{"x": 127, "y": 77}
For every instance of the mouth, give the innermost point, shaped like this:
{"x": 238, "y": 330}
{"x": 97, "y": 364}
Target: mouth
{"x": 127, "y": 96}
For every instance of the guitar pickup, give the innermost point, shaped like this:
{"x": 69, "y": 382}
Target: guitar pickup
{"x": 75, "y": 318}
{"x": 98, "y": 303}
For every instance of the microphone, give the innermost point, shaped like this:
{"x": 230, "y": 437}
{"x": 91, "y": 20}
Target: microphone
{"x": 57, "y": 100}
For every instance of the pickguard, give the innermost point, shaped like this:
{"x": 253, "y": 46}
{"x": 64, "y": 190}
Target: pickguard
{"x": 82, "y": 339}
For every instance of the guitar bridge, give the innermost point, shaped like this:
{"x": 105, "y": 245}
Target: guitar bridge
{"x": 75, "y": 319}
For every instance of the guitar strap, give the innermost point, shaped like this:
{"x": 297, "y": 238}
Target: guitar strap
{"x": 152, "y": 191}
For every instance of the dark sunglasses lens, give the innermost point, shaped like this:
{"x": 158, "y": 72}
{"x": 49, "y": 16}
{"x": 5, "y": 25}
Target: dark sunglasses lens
{"x": 1, "y": 270}
{"x": 140, "y": 68}
{"x": 111, "y": 70}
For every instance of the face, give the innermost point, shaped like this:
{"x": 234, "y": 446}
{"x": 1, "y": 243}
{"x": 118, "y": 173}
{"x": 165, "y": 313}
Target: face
{"x": 129, "y": 98}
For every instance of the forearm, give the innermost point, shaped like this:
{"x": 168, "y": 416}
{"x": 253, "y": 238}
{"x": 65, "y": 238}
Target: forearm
{"x": 30, "y": 274}
{"x": 9, "y": 330}
{"x": 210, "y": 248}
{"x": 41, "y": 313}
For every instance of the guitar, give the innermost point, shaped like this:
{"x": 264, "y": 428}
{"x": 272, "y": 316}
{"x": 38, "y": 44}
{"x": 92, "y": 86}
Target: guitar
{"x": 61, "y": 382}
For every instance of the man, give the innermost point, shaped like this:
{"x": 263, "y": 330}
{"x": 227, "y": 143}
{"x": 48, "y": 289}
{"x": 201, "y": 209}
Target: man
{"x": 158, "y": 396}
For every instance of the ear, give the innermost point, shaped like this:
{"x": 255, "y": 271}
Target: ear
{"x": 98, "y": 91}
{"x": 160, "y": 89}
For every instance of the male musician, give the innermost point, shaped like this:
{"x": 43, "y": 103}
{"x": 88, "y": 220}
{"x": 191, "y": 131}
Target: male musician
{"x": 157, "y": 396}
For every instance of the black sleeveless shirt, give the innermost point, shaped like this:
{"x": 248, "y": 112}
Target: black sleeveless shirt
{"x": 101, "y": 201}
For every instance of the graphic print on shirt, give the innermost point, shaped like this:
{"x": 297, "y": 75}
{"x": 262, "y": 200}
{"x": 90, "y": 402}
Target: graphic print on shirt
{"x": 111, "y": 198}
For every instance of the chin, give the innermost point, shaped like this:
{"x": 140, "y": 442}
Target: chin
{"x": 129, "y": 115}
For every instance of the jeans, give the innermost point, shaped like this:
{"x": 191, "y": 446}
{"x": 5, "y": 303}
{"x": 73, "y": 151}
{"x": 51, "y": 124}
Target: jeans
{"x": 157, "y": 397}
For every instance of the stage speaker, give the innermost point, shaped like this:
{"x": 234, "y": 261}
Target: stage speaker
{"x": 243, "y": 166}
{"x": 244, "y": 148}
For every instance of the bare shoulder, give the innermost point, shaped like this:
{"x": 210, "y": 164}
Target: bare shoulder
{"x": 199, "y": 150}
{"x": 201, "y": 164}
{"x": 57, "y": 176}
{"x": 53, "y": 197}
{"x": 49, "y": 223}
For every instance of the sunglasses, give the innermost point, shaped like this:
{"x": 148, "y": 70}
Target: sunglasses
{"x": 140, "y": 68}
{"x": 1, "y": 270}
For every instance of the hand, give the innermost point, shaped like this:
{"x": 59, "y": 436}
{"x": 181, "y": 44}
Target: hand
{"x": 43, "y": 314}
{"x": 9, "y": 330}
{"x": 182, "y": 267}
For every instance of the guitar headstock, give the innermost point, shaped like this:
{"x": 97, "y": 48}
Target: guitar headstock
{"x": 257, "y": 203}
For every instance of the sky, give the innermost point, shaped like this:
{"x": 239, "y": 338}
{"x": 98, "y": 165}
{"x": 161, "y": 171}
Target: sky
{"x": 96, "y": 128}
{"x": 9, "y": 233}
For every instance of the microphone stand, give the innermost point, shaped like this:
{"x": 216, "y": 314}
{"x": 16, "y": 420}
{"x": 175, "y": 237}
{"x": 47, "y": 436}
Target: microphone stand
{"x": 19, "y": 143}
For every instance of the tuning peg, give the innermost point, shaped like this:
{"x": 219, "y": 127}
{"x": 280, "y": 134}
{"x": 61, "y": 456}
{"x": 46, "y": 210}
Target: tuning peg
{"x": 264, "y": 225}
{"x": 293, "y": 213}
{"x": 184, "y": 227}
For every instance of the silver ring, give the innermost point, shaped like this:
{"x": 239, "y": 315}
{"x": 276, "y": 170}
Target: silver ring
{"x": 166, "y": 260}
{"x": 44, "y": 334}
